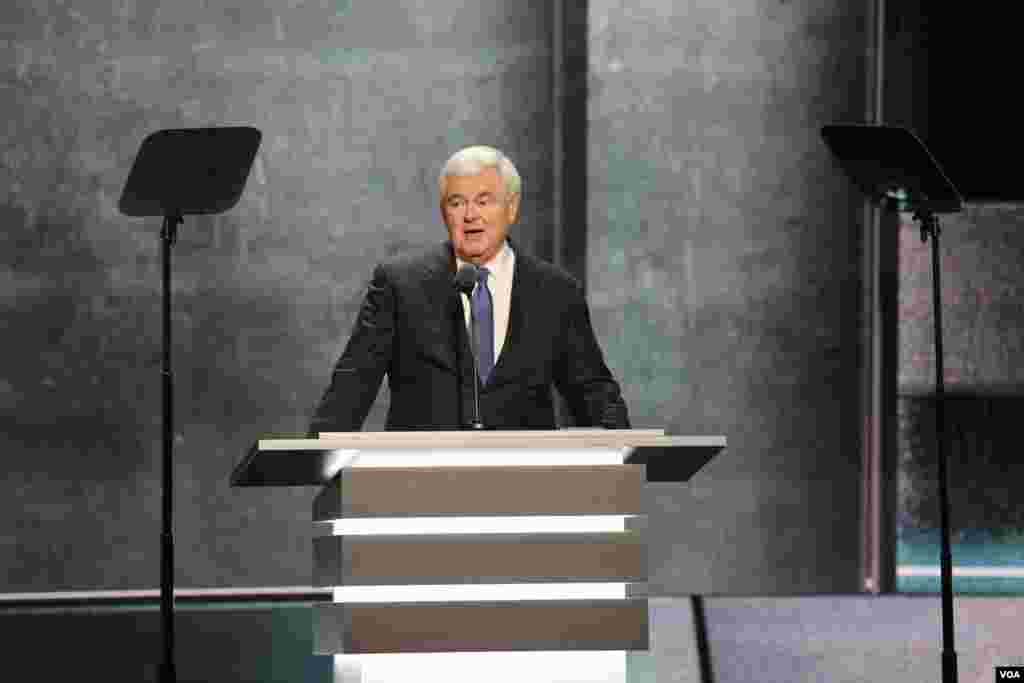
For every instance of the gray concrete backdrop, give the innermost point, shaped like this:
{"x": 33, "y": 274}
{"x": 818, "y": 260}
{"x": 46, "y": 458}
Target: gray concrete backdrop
{"x": 981, "y": 253}
{"x": 359, "y": 104}
{"x": 721, "y": 255}
{"x": 723, "y": 272}
{"x": 982, "y": 250}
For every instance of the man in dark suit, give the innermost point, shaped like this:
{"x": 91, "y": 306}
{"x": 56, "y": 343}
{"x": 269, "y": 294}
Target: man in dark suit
{"x": 533, "y": 325}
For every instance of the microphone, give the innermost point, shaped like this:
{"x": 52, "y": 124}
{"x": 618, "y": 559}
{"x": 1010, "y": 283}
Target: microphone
{"x": 465, "y": 281}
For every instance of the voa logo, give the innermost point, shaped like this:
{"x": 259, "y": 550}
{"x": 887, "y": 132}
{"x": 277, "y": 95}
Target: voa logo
{"x": 1009, "y": 675}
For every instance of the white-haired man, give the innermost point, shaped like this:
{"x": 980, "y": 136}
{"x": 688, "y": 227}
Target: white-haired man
{"x": 413, "y": 326}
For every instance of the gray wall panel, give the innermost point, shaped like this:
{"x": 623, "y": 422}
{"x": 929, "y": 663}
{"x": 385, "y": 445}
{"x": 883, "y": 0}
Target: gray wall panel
{"x": 359, "y": 104}
{"x": 982, "y": 310}
{"x": 982, "y": 249}
{"x": 721, "y": 247}
{"x": 723, "y": 271}
{"x": 265, "y": 643}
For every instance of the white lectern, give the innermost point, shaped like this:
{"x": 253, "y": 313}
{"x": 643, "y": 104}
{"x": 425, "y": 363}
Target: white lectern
{"x": 493, "y": 555}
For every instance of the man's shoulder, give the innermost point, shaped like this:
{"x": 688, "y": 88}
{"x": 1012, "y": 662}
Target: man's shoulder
{"x": 546, "y": 273}
{"x": 418, "y": 259}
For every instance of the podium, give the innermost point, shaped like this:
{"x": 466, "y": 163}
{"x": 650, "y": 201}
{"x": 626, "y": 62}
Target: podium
{"x": 498, "y": 551}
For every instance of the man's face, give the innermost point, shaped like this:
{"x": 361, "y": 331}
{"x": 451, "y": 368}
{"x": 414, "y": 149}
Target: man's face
{"x": 478, "y": 212}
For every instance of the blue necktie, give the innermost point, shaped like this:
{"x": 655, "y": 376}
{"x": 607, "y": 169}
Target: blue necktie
{"x": 483, "y": 311}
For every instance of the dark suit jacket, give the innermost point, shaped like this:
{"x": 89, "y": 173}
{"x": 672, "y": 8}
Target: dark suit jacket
{"x": 411, "y": 327}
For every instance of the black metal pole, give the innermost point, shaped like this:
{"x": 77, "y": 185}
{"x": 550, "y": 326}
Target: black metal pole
{"x": 930, "y": 227}
{"x": 465, "y": 283}
{"x": 700, "y": 632}
{"x": 474, "y": 347}
{"x": 168, "y": 234}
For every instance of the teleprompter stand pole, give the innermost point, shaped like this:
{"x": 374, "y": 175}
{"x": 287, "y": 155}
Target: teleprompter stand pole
{"x": 179, "y": 172}
{"x": 168, "y": 235}
{"x": 930, "y": 230}
{"x": 891, "y": 165}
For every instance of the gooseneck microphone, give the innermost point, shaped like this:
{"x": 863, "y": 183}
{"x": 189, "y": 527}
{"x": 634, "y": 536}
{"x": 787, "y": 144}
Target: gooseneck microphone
{"x": 464, "y": 282}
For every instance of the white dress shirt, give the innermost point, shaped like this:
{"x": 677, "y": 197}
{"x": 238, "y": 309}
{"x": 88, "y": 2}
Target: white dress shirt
{"x": 499, "y": 281}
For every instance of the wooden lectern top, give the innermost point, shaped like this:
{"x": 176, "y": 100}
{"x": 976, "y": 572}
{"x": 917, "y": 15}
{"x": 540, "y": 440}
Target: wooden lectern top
{"x": 308, "y": 462}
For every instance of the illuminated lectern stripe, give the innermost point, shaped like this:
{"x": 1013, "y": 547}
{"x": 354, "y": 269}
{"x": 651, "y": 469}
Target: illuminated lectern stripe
{"x": 492, "y": 667}
{"x": 497, "y": 592}
{"x": 536, "y": 524}
{"x": 480, "y": 457}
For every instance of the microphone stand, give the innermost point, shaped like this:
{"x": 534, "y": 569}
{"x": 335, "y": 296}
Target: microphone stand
{"x": 474, "y": 347}
{"x": 466, "y": 288}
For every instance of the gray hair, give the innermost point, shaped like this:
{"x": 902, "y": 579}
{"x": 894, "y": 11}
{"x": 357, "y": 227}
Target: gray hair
{"x": 475, "y": 160}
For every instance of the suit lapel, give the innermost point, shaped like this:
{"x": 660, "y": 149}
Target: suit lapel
{"x": 446, "y": 309}
{"x": 522, "y": 288}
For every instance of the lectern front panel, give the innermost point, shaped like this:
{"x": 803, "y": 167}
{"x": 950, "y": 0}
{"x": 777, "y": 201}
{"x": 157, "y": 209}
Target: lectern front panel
{"x": 474, "y": 558}
{"x": 494, "y": 627}
{"x": 483, "y": 491}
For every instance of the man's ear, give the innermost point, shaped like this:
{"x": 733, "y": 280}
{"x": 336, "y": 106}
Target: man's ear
{"x": 513, "y": 208}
